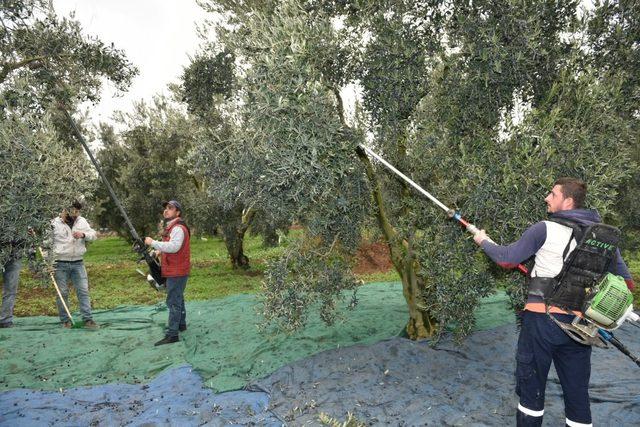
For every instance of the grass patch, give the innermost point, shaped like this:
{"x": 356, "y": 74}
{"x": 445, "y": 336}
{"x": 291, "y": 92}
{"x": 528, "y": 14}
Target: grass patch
{"x": 388, "y": 276}
{"x": 113, "y": 280}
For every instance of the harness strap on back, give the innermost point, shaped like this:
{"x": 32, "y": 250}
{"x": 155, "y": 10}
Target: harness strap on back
{"x": 541, "y": 286}
{"x": 577, "y": 232}
{"x": 544, "y": 286}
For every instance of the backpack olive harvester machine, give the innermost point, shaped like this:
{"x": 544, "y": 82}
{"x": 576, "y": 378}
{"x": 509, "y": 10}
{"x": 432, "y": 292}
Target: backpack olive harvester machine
{"x": 608, "y": 304}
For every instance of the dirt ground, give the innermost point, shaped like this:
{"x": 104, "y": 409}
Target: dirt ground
{"x": 372, "y": 258}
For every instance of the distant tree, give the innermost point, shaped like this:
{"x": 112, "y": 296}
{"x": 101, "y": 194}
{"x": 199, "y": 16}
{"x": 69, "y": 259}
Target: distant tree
{"x": 145, "y": 164}
{"x": 206, "y": 81}
{"x": 112, "y": 158}
{"x": 209, "y": 90}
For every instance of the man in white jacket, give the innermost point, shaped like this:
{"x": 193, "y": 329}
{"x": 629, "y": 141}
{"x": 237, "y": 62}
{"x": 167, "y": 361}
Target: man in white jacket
{"x": 70, "y": 232}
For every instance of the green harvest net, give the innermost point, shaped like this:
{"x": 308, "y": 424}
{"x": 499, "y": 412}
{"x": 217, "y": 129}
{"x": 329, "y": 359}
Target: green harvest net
{"x": 222, "y": 342}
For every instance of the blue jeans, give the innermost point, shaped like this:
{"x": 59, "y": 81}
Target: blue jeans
{"x": 10, "y": 277}
{"x": 541, "y": 341}
{"x": 78, "y": 274}
{"x": 175, "y": 304}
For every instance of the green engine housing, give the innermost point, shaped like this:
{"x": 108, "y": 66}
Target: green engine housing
{"x": 610, "y": 303}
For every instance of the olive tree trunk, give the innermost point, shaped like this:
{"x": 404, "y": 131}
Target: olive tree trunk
{"x": 234, "y": 231}
{"x": 421, "y": 323}
{"x": 270, "y": 238}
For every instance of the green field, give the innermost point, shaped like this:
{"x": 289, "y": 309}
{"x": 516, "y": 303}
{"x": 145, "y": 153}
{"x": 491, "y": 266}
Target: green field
{"x": 113, "y": 280}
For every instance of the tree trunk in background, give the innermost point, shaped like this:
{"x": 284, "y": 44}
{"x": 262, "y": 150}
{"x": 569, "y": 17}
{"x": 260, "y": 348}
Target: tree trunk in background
{"x": 270, "y": 237}
{"x": 234, "y": 240}
{"x": 234, "y": 231}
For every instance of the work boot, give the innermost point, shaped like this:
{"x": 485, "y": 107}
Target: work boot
{"x": 91, "y": 324}
{"x": 182, "y": 328}
{"x": 167, "y": 340}
{"x": 66, "y": 324}
{"x": 10, "y": 325}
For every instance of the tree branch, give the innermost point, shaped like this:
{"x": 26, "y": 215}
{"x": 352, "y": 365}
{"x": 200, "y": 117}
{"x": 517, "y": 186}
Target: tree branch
{"x": 8, "y": 67}
{"x": 336, "y": 92}
{"x": 389, "y": 231}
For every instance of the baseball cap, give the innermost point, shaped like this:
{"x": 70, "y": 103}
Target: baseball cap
{"x": 173, "y": 203}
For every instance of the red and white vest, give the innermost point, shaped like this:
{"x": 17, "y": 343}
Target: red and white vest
{"x": 177, "y": 264}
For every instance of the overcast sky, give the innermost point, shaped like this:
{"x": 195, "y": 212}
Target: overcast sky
{"x": 157, "y": 36}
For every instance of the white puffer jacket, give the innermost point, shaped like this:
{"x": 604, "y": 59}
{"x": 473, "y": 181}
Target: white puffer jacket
{"x": 65, "y": 246}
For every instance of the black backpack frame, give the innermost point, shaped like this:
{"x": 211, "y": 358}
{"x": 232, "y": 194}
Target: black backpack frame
{"x": 587, "y": 264}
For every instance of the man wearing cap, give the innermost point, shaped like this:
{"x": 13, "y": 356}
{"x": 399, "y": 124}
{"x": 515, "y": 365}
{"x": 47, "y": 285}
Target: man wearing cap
{"x": 176, "y": 265}
{"x": 70, "y": 233}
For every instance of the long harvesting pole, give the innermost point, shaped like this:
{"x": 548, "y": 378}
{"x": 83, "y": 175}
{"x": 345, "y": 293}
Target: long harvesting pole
{"x": 450, "y": 212}
{"x": 407, "y": 179}
{"x": 608, "y": 336}
{"x": 155, "y": 277}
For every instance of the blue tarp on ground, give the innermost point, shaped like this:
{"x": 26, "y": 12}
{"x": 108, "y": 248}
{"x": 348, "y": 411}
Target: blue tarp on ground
{"x": 402, "y": 382}
{"x": 175, "y": 397}
{"x": 393, "y": 382}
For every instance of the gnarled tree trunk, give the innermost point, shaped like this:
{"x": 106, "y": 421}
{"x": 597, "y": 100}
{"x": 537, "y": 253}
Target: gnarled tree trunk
{"x": 421, "y": 324}
{"x": 234, "y": 231}
{"x": 270, "y": 238}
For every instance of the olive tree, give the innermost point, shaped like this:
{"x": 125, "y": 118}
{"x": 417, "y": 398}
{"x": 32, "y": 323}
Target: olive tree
{"x": 612, "y": 36}
{"x": 145, "y": 163}
{"x": 483, "y": 103}
{"x": 110, "y": 157}
{"x": 55, "y": 60}
{"x": 40, "y": 177}
{"x": 209, "y": 91}
{"x": 46, "y": 62}
{"x": 207, "y": 86}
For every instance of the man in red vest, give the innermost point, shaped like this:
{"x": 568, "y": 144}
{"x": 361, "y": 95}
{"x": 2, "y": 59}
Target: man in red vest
{"x": 176, "y": 264}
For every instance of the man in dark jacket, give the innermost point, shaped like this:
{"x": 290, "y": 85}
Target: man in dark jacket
{"x": 541, "y": 341}
{"x": 176, "y": 265}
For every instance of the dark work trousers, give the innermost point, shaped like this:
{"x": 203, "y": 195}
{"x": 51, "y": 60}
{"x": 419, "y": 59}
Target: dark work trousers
{"x": 175, "y": 304}
{"x": 542, "y": 341}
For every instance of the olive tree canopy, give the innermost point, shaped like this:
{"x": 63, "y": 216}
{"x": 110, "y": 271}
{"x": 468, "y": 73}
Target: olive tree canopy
{"x": 483, "y": 103}
{"x": 46, "y": 62}
{"x": 40, "y": 177}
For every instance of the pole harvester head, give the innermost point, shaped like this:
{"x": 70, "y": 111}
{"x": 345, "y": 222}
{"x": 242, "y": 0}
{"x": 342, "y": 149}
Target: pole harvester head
{"x": 154, "y": 278}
